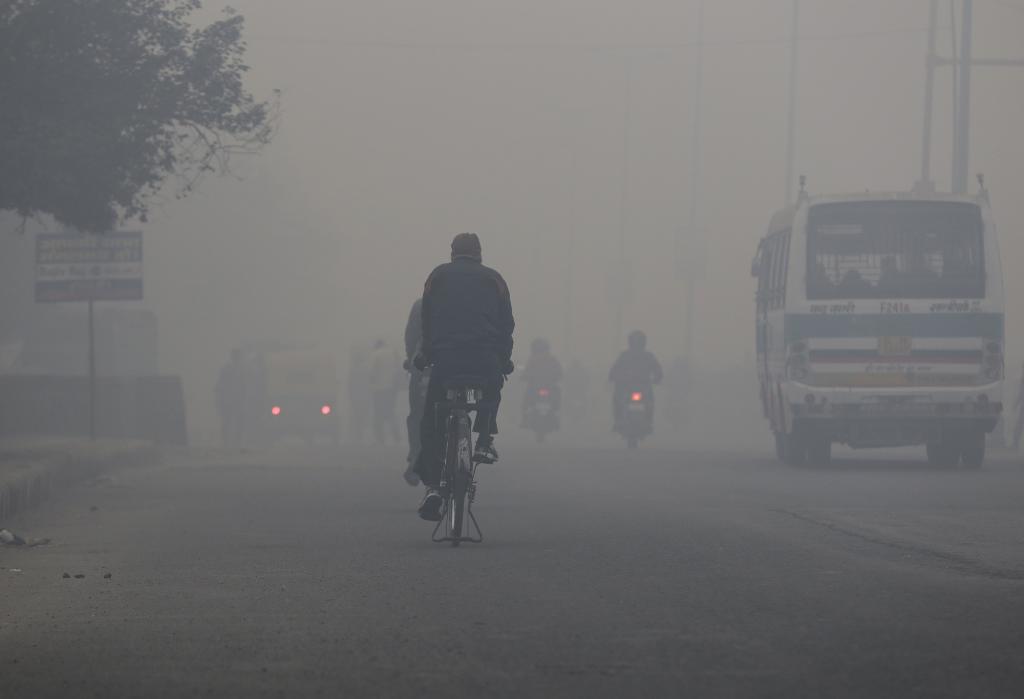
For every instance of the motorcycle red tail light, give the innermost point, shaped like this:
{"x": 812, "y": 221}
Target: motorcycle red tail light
{"x": 637, "y": 396}
{"x": 276, "y": 410}
{"x": 544, "y": 393}
{"x": 326, "y": 410}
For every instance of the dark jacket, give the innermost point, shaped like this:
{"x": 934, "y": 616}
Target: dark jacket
{"x": 542, "y": 370}
{"x": 635, "y": 368}
{"x": 466, "y": 306}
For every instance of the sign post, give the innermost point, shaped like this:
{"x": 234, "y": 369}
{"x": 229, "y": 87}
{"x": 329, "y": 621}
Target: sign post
{"x": 79, "y": 267}
{"x": 92, "y": 373}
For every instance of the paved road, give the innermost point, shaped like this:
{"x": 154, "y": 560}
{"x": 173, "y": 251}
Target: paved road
{"x": 605, "y": 574}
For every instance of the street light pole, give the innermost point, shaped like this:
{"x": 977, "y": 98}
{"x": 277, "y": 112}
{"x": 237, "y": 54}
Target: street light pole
{"x": 929, "y": 99}
{"x": 687, "y": 267}
{"x": 962, "y": 137}
{"x": 794, "y": 62}
{"x": 618, "y": 278}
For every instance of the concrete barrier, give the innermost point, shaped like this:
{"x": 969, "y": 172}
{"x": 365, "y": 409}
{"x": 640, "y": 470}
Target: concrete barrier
{"x": 147, "y": 408}
{"x": 33, "y": 469}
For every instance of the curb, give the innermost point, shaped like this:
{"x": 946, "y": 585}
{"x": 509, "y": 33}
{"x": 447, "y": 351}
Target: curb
{"x": 30, "y": 474}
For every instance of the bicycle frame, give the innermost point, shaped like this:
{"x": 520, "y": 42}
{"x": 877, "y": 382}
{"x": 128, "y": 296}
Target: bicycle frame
{"x": 458, "y": 472}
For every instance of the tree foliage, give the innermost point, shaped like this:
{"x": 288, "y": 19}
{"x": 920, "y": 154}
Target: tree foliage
{"x": 103, "y": 101}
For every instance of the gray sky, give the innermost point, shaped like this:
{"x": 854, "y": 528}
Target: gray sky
{"x": 406, "y": 122}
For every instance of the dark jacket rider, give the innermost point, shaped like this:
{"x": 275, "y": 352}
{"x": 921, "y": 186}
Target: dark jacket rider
{"x": 467, "y": 330}
{"x": 636, "y": 369}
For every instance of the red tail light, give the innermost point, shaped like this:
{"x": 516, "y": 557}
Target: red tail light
{"x": 276, "y": 410}
{"x": 544, "y": 393}
{"x": 637, "y": 396}
{"x": 326, "y": 410}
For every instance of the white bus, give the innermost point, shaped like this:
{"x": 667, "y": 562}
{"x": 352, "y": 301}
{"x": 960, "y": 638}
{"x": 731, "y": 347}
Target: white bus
{"x": 880, "y": 324}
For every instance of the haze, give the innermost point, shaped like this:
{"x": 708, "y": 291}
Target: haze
{"x": 549, "y": 128}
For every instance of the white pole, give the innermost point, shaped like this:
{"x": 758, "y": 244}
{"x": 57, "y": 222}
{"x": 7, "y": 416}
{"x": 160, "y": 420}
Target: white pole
{"x": 963, "y": 111}
{"x": 794, "y": 59}
{"x": 929, "y": 97}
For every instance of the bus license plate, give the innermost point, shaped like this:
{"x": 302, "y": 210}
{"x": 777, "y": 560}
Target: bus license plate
{"x": 894, "y": 346}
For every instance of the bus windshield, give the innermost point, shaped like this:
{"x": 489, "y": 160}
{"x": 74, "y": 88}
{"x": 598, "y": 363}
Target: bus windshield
{"x": 898, "y": 249}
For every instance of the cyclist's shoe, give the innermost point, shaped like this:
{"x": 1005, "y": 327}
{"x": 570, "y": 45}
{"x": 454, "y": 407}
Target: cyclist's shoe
{"x": 411, "y": 477}
{"x": 485, "y": 453}
{"x": 430, "y": 508}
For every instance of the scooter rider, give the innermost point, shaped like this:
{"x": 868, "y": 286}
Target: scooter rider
{"x": 543, "y": 371}
{"x": 467, "y": 330}
{"x": 636, "y": 369}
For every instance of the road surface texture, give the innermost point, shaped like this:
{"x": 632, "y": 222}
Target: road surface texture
{"x": 604, "y": 574}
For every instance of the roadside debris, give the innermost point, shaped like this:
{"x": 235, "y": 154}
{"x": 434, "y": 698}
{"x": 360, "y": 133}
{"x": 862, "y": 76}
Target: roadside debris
{"x": 11, "y": 539}
{"x": 106, "y": 576}
{"x": 79, "y": 576}
{"x": 66, "y": 575}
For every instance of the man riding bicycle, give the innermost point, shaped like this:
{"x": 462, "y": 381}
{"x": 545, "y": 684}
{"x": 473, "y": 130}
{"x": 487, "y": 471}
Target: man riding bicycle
{"x": 467, "y": 331}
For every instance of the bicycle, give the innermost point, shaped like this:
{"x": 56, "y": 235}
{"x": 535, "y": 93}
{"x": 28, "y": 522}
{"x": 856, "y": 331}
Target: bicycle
{"x": 464, "y": 395}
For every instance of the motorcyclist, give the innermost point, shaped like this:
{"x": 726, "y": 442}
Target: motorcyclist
{"x": 467, "y": 330}
{"x": 636, "y": 369}
{"x": 543, "y": 371}
{"x": 417, "y": 387}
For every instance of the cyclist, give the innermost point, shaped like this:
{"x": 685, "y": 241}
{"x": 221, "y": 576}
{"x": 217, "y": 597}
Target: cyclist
{"x": 467, "y": 331}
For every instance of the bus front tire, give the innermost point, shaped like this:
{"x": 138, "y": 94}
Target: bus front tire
{"x": 794, "y": 449}
{"x": 819, "y": 451}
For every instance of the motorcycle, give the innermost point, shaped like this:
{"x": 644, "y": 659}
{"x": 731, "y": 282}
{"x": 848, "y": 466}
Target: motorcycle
{"x": 635, "y": 420}
{"x": 542, "y": 413}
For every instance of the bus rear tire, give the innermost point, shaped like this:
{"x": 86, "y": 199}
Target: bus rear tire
{"x": 819, "y": 451}
{"x": 972, "y": 452}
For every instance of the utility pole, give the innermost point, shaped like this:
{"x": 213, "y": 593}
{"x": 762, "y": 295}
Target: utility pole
{"x": 688, "y": 268}
{"x": 794, "y": 62}
{"x": 619, "y": 277}
{"x": 962, "y": 142}
{"x": 962, "y": 64}
{"x": 925, "y": 182}
{"x": 569, "y": 348}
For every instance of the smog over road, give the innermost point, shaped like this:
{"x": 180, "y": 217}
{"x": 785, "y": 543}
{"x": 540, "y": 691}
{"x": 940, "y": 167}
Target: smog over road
{"x": 546, "y": 348}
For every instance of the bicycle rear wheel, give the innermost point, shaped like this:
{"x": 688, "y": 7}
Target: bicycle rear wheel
{"x": 460, "y": 455}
